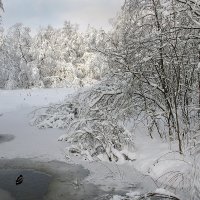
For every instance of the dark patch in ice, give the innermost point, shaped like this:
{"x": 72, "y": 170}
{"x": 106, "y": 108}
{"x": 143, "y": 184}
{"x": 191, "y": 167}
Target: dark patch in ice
{"x": 34, "y": 186}
{"x": 67, "y": 180}
{"x": 6, "y": 138}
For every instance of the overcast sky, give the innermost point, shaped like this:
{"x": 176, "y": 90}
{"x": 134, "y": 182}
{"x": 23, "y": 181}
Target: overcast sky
{"x": 36, "y": 13}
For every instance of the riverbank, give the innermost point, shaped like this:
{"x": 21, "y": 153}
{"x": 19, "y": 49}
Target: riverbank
{"x": 24, "y": 147}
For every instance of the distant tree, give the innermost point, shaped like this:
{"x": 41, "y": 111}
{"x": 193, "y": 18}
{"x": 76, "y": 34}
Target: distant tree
{"x": 15, "y": 57}
{"x": 1, "y": 5}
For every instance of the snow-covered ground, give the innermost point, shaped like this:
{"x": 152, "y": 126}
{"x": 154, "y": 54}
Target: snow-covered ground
{"x": 11, "y": 100}
{"x": 43, "y": 145}
{"x": 29, "y": 142}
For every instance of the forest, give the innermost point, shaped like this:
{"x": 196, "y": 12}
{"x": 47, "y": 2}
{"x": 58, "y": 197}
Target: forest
{"x": 146, "y": 70}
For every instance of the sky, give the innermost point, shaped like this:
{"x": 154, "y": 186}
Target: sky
{"x": 41, "y": 13}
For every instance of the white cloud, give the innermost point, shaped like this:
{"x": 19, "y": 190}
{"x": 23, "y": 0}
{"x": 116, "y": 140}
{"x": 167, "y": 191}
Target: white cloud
{"x": 35, "y": 13}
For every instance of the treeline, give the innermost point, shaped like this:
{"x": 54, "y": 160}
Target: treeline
{"x": 52, "y": 58}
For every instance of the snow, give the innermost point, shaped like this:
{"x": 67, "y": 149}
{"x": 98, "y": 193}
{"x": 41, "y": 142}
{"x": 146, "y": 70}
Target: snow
{"x": 134, "y": 194}
{"x": 149, "y": 150}
{"x": 16, "y": 99}
{"x": 29, "y": 142}
{"x": 116, "y": 197}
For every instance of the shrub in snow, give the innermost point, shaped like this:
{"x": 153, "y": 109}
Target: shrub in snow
{"x": 173, "y": 171}
{"x": 93, "y": 129}
{"x": 99, "y": 139}
{"x": 55, "y": 116}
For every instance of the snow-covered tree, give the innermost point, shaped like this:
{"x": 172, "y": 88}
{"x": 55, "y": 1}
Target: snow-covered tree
{"x": 152, "y": 44}
{"x": 15, "y": 57}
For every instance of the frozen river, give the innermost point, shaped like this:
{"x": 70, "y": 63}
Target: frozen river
{"x": 39, "y": 156}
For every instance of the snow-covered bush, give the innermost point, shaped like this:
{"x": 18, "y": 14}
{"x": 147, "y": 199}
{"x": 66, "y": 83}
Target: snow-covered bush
{"x": 55, "y": 116}
{"x": 175, "y": 172}
{"x": 100, "y": 139}
{"x": 92, "y": 122}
